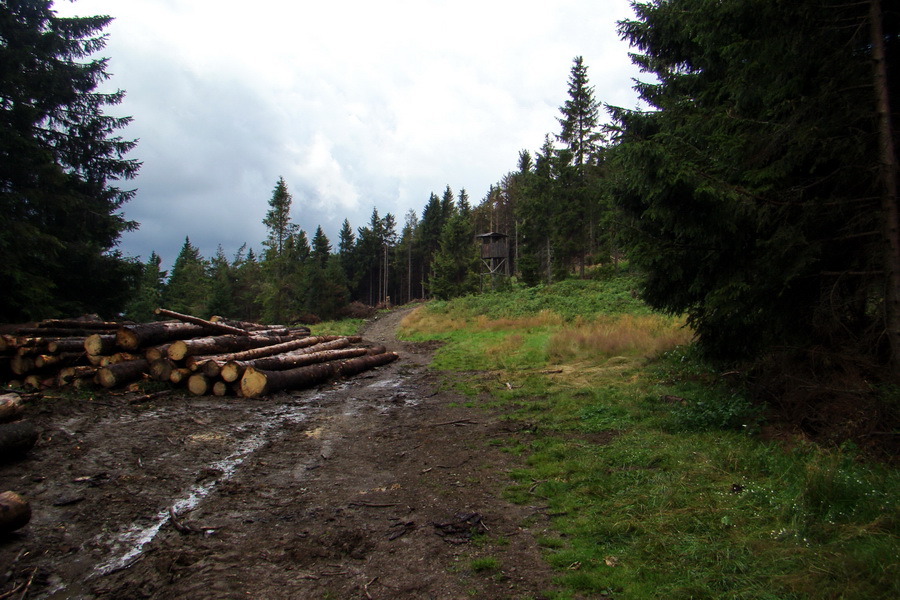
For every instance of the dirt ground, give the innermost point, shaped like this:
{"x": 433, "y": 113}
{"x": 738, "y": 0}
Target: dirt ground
{"x": 374, "y": 488}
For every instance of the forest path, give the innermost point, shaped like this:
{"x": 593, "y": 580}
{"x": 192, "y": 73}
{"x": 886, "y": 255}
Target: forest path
{"x": 368, "y": 488}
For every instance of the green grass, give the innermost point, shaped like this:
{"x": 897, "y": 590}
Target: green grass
{"x": 651, "y": 466}
{"x": 342, "y": 327}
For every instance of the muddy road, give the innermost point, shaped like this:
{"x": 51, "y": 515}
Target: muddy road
{"x": 382, "y": 486}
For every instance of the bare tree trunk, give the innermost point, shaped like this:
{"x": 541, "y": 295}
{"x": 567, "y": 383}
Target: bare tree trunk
{"x": 888, "y": 163}
{"x": 214, "y": 326}
{"x": 122, "y": 373}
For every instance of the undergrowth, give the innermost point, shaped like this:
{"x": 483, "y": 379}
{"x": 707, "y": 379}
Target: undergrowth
{"x": 650, "y": 463}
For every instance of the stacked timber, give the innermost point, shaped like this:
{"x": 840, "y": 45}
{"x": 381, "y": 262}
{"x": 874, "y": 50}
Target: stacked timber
{"x": 207, "y": 356}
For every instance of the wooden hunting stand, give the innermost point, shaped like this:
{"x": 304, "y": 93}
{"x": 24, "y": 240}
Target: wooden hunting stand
{"x": 494, "y": 256}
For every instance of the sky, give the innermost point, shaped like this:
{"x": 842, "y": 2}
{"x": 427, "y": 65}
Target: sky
{"x": 357, "y": 104}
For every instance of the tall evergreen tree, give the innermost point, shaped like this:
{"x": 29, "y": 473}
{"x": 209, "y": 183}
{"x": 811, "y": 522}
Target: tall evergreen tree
{"x": 149, "y": 294}
{"x": 60, "y": 208}
{"x": 187, "y": 290}
{"x": 576, "y": 211}
{"x": 321, "y": 247}
{"x": 221, "y": 285}
{"x": 279, "y": 247}
{"x": 750, "y": 186}
{"x": 456, "y": 264}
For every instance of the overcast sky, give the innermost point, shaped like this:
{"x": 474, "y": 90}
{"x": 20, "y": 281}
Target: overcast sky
{"x": 356, "y": 103}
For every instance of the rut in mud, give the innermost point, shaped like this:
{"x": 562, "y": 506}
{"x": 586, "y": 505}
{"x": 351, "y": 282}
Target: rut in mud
{"x": 379, "y": 487}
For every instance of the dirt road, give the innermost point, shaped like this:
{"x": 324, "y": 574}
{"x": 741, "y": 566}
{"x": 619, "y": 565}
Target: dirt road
{"x": 379, "y": 487}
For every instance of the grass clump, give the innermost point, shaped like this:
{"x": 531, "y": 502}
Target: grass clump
{"x": 650, "y": 461}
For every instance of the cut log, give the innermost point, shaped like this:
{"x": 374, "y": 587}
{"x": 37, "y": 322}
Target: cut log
{"x": 161, "y": 369}
{"x": 221, "y": 344}
{"x": 79, "y": 324}
{"x": 122, "y": 373}
{"x": 100, "y": 343}
{"x": 133, "y": 337}
{"x": 46, "y": 332}
{"x": 220, "y": 388}
{"x": 69, "y": 375}
{"x": 118, "y": 357}
{"x": 15, "y": 513}
{"x": 11, "y": 408}
{"x": 16, "y": 438}
{"x": 156, "y": 352}
{"x": 20, "y": 365}
{"x": 179, "y": 375}
{"x": 209, "y": 325}
{"x": 256, "y": 383}
{"x": 70, "y": 344}
{"x": 199, "y": 384}
{"x": 65, "y": 359}
{"x": 233, "y": 369}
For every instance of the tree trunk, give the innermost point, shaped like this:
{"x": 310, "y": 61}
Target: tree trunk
{"x": 233, "y": 370}
{"x": 888, "y": 174}
{"x": 181, "y": 349}
{"x": 100, "y": 343}
{"x": 257, "y": 383}
{"x": 16, "y": 438}
{"x": 15, "y": 513}
{"x": 10, "y": 407}
{"x": 209, "y": 325}
{"x": 122, "y": 373}
{"x": 133, "y": 337}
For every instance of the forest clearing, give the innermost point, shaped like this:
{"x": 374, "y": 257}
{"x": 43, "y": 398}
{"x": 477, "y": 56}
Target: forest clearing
{"x": 502, "y": 456}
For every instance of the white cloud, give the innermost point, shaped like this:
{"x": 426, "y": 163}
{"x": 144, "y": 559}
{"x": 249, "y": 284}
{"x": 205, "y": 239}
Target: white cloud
{"x": 356, "y": 103}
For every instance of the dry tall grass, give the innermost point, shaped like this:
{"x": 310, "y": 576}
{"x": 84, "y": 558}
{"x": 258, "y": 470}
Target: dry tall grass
{"x": 625, "y": 335}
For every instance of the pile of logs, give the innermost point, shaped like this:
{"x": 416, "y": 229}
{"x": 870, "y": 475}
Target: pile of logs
{"x": 17, "y": 437}
{"x": 208, "y": 357}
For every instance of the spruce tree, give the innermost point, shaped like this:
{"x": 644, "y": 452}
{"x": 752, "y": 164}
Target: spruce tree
{"x": 60, "y": 161}
{"x": 148, "y": 296}
{"x": 750, "y": 186}
{"x": 279, "y": 248}
{"x": 187, "y": 290}
{"x": 321, "y": 247}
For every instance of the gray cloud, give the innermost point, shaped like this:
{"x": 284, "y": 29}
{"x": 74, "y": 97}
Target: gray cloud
{"x": 356, "y": 104}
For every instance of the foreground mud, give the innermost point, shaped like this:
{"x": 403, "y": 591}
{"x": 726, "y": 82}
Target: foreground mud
{"x": 379, "y": 487}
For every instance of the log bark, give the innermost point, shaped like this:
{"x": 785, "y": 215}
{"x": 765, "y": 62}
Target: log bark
{"x": 15, "y": 513}
{"x": 16, "y": 438}
{"x": 122, "y": 373}
{"x": 233, "y": 369}
{"x": 221, "y": 344}
{"x": 209, "y": 325}
{"x": 43, "y": 361}
{"x": 79, "y": 324}
{"x": 197, "y": 363}
{"x": 100, "y": 343}
{"x": 70, "y": 344}
{"x": 59, "y": 332}
{"x": 256, "y": 383}
{"x": 69, "y": 375}
{"x": 133, "y": 337}
{"x": 11, "y": 408}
